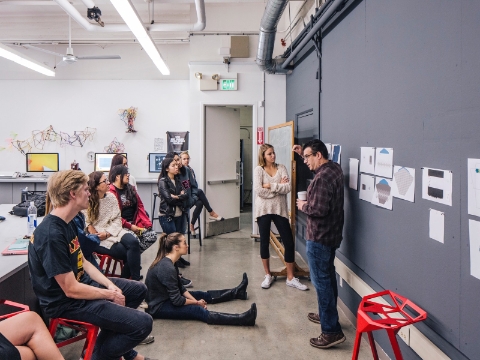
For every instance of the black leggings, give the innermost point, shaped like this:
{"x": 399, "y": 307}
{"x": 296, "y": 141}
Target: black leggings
{"x": 199, "y": 204}
{"x": 283, "y": 226}
{"x": 128, "y": 250}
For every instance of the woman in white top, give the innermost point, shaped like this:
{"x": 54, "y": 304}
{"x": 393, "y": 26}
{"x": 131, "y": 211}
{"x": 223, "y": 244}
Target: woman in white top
{"x": 271, "y": 185}
{"x": 103, "y": 218}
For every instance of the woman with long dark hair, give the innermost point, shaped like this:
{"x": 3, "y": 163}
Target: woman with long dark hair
{"x": 167, "y": 298}
{"x": 134, "y": 216}
{"x": 173, "y": 198}
{"x": 120, "y": 159}
{"x": 103, "y": 219}
{"x": 271, "y": 185}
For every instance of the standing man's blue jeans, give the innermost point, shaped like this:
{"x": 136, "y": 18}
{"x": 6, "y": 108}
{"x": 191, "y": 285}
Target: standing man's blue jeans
{"x": 322, "y": 273}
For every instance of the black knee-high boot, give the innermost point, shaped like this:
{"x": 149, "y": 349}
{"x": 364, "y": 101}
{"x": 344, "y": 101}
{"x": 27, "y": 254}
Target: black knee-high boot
{"x": 239, "y": 292}
{"x": 245, "y": 319}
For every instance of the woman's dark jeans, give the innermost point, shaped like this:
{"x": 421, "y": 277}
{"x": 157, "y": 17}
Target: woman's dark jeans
{"x": 185, "y": 312}
{"x": 171, "y": 224}
{"x": 199, "y": 204}
{"x": 283, "y": 226}
{"x": 128, "y": 250}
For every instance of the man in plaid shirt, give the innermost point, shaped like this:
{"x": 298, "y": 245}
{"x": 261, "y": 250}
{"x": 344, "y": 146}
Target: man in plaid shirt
{"x": 324, "y": 210}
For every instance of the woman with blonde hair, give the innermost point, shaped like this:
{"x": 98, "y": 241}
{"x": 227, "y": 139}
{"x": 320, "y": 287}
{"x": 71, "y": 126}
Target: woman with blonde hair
{"x": 167, "y": 298}
{"x": 271, "y": 186}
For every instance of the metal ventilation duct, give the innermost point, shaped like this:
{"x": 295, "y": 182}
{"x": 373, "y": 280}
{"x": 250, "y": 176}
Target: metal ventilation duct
{"x": 266, "y": 41}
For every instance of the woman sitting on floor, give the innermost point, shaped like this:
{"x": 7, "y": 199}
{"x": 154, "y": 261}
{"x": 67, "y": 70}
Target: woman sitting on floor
{"x": 134, "y": 216}
{"x": 103, "y": 219}
{"x": 168, "y": 299}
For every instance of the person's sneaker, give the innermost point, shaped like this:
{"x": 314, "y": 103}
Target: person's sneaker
{"x": 184, "y": 262}
{"x": 296, "y": 284}
{"x": 267, "y": 281}
{"x": 324, "y": 341}
{"x": 186, "y": 282}
{"x": 313, "y": 317}
{"x": 148, "y": 340}
{"x": 143, "y": 305}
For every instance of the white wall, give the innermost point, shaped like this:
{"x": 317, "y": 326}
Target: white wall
{"x": 70, "y": 105}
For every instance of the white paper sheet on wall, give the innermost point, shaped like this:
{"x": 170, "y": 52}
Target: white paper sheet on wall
{"x": 403, "y": 186}
{"x": 336, "y": 153}
{"x": 353, "y": 175}
{"x": 383, "y": 193}
{"x": 474, "y": 231}
{"x": 436, "y": 225}
{"x": 437, "y": 185}
{"x": 158, "y": 144}
{"x": 384, "y": 162}
{"x": 474, "y": 187}
{"x": 329, "y": 149}
{"x": 367, "y": 160}
{"x": 367, "y": 187}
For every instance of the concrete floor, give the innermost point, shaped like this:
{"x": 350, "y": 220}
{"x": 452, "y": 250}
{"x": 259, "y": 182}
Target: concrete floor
{"x": 282, "y": 329}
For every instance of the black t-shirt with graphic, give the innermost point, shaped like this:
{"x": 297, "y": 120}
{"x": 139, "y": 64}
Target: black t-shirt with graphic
{"x": 54, "y": 249}
{"x": 129, "y": 206}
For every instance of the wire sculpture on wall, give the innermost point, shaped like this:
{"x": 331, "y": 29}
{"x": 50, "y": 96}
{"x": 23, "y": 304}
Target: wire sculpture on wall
{"x": 40, "y": 137}
{"x": 9, "y": 142}
{"x": 115, "y": 147}
{"x": 128, "y": 116}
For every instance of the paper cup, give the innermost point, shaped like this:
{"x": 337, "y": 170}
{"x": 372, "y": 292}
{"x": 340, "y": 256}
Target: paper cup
{"x": 302, "y": 195}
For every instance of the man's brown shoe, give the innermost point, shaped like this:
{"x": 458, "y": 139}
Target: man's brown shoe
{"x": 324, "y": 341}
{"x": 314, "y": 318}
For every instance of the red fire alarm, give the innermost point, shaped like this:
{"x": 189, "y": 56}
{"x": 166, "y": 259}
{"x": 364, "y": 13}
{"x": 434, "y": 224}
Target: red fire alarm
{"x": 260, "y": 135}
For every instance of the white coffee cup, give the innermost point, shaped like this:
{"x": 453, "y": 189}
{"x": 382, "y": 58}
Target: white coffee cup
{"x": 302, "y": 195}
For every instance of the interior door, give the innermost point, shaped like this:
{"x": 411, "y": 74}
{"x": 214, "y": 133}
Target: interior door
{"x": 222, "y": 167}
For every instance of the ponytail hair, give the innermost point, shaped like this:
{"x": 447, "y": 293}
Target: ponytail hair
{"x": 165, "y": 245}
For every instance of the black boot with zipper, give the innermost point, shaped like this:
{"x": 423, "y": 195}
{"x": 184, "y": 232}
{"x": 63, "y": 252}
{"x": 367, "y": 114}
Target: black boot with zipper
{"x": 239, "y": 292}
{"x": 245, "y": 319}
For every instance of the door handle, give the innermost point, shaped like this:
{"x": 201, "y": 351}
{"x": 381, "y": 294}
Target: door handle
{"x": 216, "y": 182}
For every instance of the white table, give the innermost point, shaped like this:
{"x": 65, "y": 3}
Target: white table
{"x": 14, "y": 277}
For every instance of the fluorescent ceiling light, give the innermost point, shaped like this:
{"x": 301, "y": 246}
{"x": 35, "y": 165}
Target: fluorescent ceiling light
{"x": 131, "y": 18}
{"x": 19, "y": 58}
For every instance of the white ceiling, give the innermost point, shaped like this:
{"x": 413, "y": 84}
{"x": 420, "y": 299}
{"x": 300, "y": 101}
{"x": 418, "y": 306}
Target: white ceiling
{"x": 43, "y": 23}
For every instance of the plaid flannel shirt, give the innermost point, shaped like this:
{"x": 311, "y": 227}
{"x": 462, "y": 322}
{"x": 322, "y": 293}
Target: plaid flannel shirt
{"x": 324, "y": 205}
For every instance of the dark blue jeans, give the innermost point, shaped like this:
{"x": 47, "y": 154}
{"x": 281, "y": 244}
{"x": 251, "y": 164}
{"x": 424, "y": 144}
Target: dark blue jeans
{"x": 176, "y": 224}
{"x": 122, "y": 327}
{"x": 322, "y": 273}
{"x": 185, "y": 312}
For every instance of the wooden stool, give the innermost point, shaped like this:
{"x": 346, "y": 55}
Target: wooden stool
{"x": 375, "y": 313}
{"x": 87, "y": 331}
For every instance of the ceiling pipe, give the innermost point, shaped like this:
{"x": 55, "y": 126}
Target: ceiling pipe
{"x": 73, "y": 12}
{"x": 266, "y": 42}
{"x": 317, "y": 27}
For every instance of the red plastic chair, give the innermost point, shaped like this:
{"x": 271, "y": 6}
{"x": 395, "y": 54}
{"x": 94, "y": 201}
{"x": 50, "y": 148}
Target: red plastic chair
{"x": 23, "y": 308}
{"x": 106, "y": 265}
{"x": 87, "y": 331}
{"x": 392, "y": 319}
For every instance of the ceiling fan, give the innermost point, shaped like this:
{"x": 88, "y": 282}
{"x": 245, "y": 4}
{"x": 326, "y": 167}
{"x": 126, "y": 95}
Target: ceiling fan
{"x": 69, "y": 58}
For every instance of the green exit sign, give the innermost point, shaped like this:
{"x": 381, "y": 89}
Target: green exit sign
{"x": 228, "y": 84}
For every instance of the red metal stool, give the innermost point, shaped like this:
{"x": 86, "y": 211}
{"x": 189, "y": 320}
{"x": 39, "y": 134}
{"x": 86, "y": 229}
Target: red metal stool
{"x": 87, "y": 331}
{"x": 106, "y": 263}
{"x": 376, "y": 313}
{"x": 23, "y": 308}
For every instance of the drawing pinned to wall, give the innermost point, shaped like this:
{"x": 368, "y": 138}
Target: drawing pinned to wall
{"x": 353, "y": 174}
{"x": 474, "y": 232}
{"x": 384, "y": 162}
{"x": 474, "y": 187}
{"x": 403, "y": 186}
{"x": 329, "y": 149}
{"x": 158, "y": 144}
{"x": 437, "y": 185}
{"x": 383, "y": 193}
{"x": 367, "y": 187}
{"x": 9, "y": 142}
{"x": 128, "y": 116}
{"x": 436, "y": 227}
{"x": 336, "y": 153}
{"x": 115, "y": 146}
{"x": 367, "y": 160}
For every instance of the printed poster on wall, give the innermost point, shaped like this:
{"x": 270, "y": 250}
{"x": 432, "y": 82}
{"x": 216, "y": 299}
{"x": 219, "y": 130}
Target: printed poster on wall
{"x": 382, "y": 195}
{"x": 384, "y": 162}
{"x": 437, "y": 185}
{"x": 367, "y": 160}
{"x": 474, "y": 187}
{"x": 177, "y": 141}
{"x": 403, "y": 183}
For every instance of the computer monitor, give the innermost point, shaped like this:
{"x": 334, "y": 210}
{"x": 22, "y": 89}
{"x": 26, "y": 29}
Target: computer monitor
{"x": 42, "y": 162}
{"x": 103, "y": 161}
{"x": 155, "y": 162}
